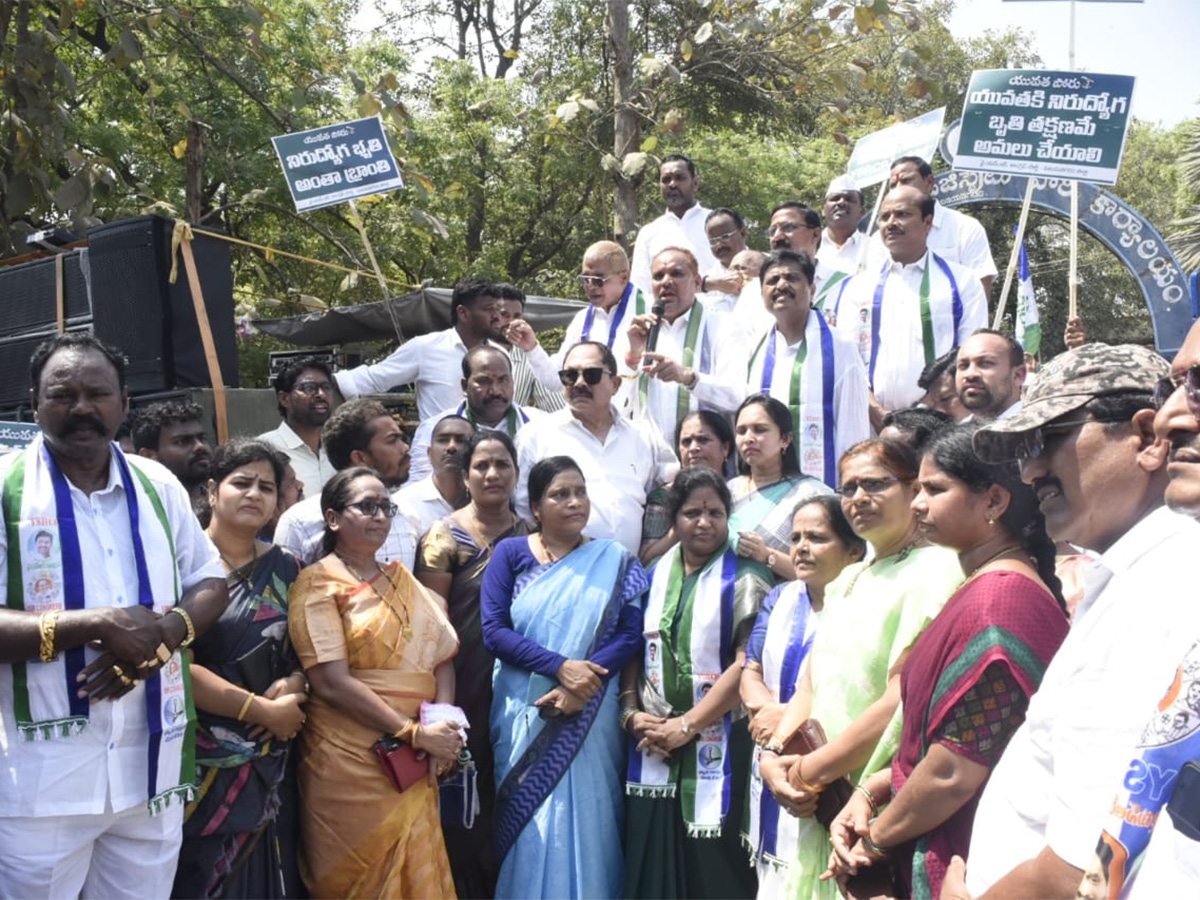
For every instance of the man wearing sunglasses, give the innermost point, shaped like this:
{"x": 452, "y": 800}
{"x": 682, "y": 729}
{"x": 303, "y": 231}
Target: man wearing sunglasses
{"x": 910, "y": 311}
{"x": 1085, "y": 440}
{"x": 304, "y": 389}
{"x": 359, "y": 433}
{"x": 613, "y": 301}
{"x": 622, "y": 460}
{"x": 682, "y": 225}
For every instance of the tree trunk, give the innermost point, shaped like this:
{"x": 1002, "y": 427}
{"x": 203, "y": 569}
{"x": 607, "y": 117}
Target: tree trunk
{"x": 625, "y": 122}
{"x": 194, "y": 185}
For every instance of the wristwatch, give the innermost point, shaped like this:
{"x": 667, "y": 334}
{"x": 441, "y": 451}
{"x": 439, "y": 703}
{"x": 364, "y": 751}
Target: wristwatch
{"x": 770, "y": 560}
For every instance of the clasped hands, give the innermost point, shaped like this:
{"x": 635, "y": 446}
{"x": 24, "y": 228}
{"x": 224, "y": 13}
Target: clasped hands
{"x": 578, "y": 681}
{"x": 134, "y": 642}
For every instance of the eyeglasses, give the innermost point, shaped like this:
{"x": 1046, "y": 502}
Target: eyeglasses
{"x": 372, "y": 508}
{"x": 719, "y": 239}
{"x": 312, "y": 388}
{"x": 869, "y": 485}
{"x": 594, "y": 280}
{"x": 1033, "y": 444}
{"x": 787, "y": 228}
{"x": 592, "y": 375}
{"x": 1168, "y": 385}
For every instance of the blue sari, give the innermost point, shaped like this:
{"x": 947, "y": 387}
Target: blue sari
{"x": 560, "y": 816}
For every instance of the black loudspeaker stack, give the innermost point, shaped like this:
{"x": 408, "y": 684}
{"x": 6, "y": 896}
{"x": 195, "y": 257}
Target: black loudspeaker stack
{"x": 119, "y": 287}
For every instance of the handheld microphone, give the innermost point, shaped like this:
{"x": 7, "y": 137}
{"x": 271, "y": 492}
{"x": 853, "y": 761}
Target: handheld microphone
{"x": 659, "y": 310}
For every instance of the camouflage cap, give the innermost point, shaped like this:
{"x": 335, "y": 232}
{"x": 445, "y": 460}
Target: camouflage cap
{"x": 1066, "y": 383}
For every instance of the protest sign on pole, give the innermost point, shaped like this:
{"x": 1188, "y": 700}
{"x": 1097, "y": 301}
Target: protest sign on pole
{"x": 871, "y": 160}
{"x": 330, "y": 165}
{"x": 1048, "y": 123}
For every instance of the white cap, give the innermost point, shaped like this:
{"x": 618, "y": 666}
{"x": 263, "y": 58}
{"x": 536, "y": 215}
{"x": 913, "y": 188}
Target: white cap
{"x": 840, "y": 184}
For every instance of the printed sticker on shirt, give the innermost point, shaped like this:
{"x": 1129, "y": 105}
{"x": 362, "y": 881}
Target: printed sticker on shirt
{"x": 41, "y": 559}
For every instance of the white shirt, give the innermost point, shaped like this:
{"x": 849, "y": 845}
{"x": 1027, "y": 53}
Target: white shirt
{"x": 850, "y": 393}
{"x": 423, "y": 502}
{"x": 901, "y": 355}
{"x": 718, "y": 361}
{"x": 670, "y": 230}
{"x": 302, "y": 529}
{"x": 104, "y": 767}
{"x": 1170, "y": 866}
{"x": 433, "y": 362}
{"x": 620, "y": 470}
{"x": 955, "y": 237}
{"x": 419, "y": 453}
{"x": 833, "y": 258}
{"x": 1054, "y": 784}
{"x": 606, "y": 323}
{"x": 313, "y": 469}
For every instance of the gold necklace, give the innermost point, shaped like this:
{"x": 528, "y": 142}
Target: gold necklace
{"x": 991, "y": 559}
{"x": 546, "y": 549}
{"x": 401, "y": 609}
{"x": 899, "y": 556}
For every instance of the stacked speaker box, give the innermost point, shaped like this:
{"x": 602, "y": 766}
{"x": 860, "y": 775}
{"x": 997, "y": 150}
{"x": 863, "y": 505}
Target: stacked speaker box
{"x": 28, "y": 315}
{"x": 136, "y": 308}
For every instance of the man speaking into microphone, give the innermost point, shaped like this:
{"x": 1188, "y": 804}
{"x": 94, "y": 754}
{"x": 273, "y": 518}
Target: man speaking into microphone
{"x": 678, "y": 358}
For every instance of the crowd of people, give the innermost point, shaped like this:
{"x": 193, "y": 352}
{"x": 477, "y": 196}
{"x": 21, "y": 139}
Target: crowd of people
{"x": 783, "y": 576}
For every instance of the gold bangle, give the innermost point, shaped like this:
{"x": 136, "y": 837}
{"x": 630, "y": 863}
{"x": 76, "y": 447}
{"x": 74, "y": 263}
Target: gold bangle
{"x": 870, "y": 798}
{"x": 408, "y": 733}
{"x": 241, "y": 716}
{"x": 47, "y": 626}
{"x": 187, "y": 620}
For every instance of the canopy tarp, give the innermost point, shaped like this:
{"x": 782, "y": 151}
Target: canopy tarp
{"x": 417, "y": 313}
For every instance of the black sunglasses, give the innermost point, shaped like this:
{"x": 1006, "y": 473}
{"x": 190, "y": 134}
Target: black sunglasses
{"x": 592, "y": 375}
{"x": 1189, "y": 378}
{"x": 372, "y": 508}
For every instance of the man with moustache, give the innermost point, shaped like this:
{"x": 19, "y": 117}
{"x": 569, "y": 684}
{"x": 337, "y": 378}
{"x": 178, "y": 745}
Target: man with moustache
{"x": 95, "y": 698}
{"x": 359, "y": 433}
{"x": 622, "y": 461}
{"x": 682, "y": 225}
{"x": 304, "y": 388}
{"x": 910, "y": 312}
{"x": 841, "y": 241}
{"x": 442, "y": 491}
{"x": 955, "y": 236}
{"x": 431, "y": 361}
{"x": 988, "y": 374}
{"x": 726, "y": 238}
{"x": 172, "y": 433}
{"x": 695, "y": 363}
{"x": 487, "y": 384}
{"x": 1088, "y": 443}
{"x": 613, "y": 301}
{"x": 808, "y": 367}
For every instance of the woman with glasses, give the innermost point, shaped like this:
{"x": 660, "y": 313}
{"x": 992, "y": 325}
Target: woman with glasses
{"x": 250, "y": 693}
{"x": 703, "y": 438}
{"x": 562, "y": 614}
{"x": 823, "y": 544}
{"x": 968, "y": 679}
{"x": 769, "y": 485}
{"x": 377, "y": 649}
{"x": 451, "y": 561}
{"x": 690, "y": 759}
{"x": 872, "y": 615}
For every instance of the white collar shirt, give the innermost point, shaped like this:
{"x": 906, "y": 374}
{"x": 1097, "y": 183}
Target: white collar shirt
{"x": 431, "y": 362}
{"x": 851, "y": 398}
{"x": 955, "y": 237}
{"x": 104, "y": 767}
{"x": 313, "y": 469}
{"x": 423, "y": 502}
{"x": 669, "y": 230}
{"x": 620, "y": 470}
{"x": 901, "y": 354}
{"x": 609, "y": 326}
{"x": 844, "y": 258}
{"x": 719, "y": 361}
{"x": 420, "y": 465}
{"x": 1056, "y": 781}
{"x": 301, "y": 530}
